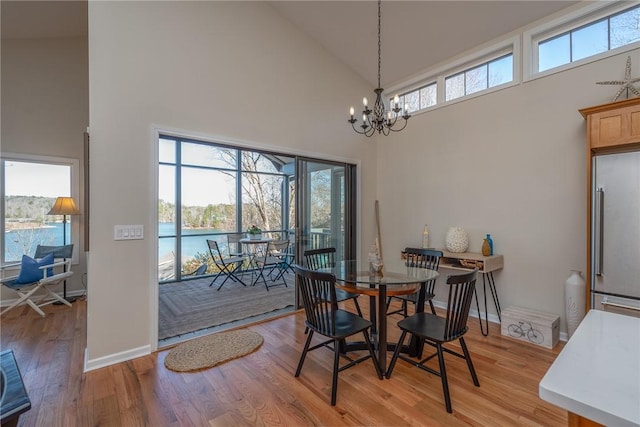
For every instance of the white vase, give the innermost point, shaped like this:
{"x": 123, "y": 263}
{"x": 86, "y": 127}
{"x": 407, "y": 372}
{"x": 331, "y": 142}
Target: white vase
{"x": 575, "y": 300}
{"x": 456, "y": 240}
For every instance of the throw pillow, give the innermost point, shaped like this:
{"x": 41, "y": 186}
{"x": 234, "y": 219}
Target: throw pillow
{"x": 30, "y": 271}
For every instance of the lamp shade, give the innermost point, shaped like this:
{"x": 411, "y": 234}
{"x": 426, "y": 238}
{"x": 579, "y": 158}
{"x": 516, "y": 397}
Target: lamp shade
{"x": 64, "y": 206}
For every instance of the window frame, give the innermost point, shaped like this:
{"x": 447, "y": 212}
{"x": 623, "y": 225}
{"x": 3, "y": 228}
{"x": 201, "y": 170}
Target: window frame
{"x": 471, "y": 59}
{"x": 568, "y": 22}
{"x": 239, "y": 170}
{"x": 74, "y": 188}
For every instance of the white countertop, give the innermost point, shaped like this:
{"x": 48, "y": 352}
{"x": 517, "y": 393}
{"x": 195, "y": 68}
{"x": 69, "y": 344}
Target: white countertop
{"x": 597, "y": 373}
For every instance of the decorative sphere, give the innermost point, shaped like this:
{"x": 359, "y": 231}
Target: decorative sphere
{"x": 457, "y": 240}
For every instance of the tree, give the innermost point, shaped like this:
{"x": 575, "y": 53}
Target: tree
{"x": 262, "y": 187}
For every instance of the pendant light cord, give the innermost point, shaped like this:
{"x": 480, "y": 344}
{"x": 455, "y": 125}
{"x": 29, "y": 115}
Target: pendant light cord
{"x": 379, "y": 43}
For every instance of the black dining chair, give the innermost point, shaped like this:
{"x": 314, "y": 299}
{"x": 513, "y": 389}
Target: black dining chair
{"x": 316, "y": 259}
{"x": 318, "y": 295}
{"x": 421, "y": 258}
{"x": 435, "y": 331}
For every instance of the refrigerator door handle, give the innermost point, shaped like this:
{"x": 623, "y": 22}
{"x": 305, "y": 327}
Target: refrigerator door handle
{"x": 599, "y": 250}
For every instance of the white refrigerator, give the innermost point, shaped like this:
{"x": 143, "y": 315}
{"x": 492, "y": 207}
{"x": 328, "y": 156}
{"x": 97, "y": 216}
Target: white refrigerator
{"x": 615, "y": 230}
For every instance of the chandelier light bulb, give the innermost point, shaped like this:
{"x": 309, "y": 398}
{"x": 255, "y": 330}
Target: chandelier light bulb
{"x": 351, "y": 112}
{"x": 364, "y": 101}
{"x": 396, "y": 100}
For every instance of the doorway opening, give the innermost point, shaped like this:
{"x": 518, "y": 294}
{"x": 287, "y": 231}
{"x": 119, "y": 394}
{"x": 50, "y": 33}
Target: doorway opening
{"x": 213, "y": 274}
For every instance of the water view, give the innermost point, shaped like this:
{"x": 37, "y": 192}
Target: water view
{"x": 23, "y": 241}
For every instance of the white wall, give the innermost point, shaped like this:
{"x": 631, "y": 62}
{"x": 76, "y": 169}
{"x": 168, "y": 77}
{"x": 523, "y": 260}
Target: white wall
{"x": 45, "y": 111}
{"x": 236, "y": 71}
{"x": 510, "y": 163}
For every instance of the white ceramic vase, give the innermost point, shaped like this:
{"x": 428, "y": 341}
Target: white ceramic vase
{"x": 456, "y": 240}
{"x": 575, "y": 302}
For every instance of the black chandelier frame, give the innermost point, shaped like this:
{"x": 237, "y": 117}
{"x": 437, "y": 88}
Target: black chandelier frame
{"x": 374, "y": 120}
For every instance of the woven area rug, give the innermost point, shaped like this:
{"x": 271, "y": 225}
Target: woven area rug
{"x": 211, "y": 350}
{"x": 192, "y": 305}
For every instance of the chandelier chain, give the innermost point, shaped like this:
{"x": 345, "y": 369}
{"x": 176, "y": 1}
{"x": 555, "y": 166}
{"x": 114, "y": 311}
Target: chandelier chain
{"x": 378, "y": 119}
{"x": 379, "y": 40}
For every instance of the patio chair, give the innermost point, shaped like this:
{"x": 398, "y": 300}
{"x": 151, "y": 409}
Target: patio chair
{"x": 273, "y": 259}
{"x": 38, "y": 275}
{"x": 202, "y": 268}
{"x": 228, "y": 266}
{"x": 234, "y": 244}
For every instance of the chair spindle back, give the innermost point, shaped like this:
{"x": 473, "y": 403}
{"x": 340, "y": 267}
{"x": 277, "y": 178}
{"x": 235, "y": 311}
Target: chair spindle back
{"x": 461, "y": 289}
{"x": 318, "y": 294}
{"x": 423, "y": 258}
{"x": 320, "y": 258}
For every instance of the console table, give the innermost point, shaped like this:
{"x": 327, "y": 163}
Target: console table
{"x": 486, "y": 265}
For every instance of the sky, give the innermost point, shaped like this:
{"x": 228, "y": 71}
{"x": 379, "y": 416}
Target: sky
{"x": 200, "y": 187}
{"x": 37, "y": 179}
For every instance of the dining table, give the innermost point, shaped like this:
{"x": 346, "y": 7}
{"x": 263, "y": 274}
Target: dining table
{"x": 379, "y": 283}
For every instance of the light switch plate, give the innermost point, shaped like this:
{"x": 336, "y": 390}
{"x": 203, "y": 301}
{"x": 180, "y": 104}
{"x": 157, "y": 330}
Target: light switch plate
{"x": 128, "y": 232}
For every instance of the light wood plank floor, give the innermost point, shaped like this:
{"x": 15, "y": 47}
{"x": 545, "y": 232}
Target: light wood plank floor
{"x": 260, "y": 389}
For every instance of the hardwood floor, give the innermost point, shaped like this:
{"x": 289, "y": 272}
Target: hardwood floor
{"x": 260, "y": 389}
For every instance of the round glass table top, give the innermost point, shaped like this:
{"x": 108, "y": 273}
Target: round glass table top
{"x": 359, "y": 274}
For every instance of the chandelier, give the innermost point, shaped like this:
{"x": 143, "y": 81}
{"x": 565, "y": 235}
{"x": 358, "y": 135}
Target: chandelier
{"x": 379, "y": 119}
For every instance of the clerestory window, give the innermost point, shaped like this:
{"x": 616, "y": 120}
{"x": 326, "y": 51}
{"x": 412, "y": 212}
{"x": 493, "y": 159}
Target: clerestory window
{"x": 589, "y": 35}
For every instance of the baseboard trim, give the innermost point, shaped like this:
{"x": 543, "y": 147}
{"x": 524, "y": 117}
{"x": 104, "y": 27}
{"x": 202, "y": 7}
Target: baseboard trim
{"x": 112, "y": 359}
{"x": 493, "y": 318}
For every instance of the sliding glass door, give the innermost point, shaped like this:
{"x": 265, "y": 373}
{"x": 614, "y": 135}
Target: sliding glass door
{"x": 325, "y": 214}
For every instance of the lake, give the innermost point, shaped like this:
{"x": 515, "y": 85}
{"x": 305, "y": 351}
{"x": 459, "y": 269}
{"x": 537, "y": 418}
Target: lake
{"x": 19, "y": 242}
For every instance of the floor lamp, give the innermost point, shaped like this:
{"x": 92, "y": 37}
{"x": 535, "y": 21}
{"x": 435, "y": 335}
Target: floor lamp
{"x": 64, "y": 206}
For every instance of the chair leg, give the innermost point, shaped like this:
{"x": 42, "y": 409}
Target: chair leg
{"x": 355, "y": 302}
{"x": 36, "y": 308}
{"x": 467, "y": 357}
{"x": 55, "y": 297}
{"x": 304, "y": 353}
{"x": 230, "y": 273}
{"x": 336, "y": 366}
{"x": 25, "y": 297}
{"x": 433, "y": 309}
{"x": 396, "y": 353}
{"x": 443, "y": 377}
{"x": 372, "y": 353}
{"x": 404, "y": 308}
{"x": 214, "y": 279}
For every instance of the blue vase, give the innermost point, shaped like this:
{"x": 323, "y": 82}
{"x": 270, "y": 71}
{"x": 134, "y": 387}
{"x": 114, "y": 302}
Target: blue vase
{"x": 490, "y": 243}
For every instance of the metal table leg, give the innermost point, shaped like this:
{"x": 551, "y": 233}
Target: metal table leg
{"x": 487, "y": 277}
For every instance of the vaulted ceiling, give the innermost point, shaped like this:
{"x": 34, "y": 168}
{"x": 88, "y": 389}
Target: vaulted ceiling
{"x": 416, "y": 35}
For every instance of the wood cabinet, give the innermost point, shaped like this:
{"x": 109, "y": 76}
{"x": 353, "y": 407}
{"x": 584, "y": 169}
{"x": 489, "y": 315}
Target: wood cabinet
{"x": 611, "y": 128}
{"x": 613, "y": 125}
